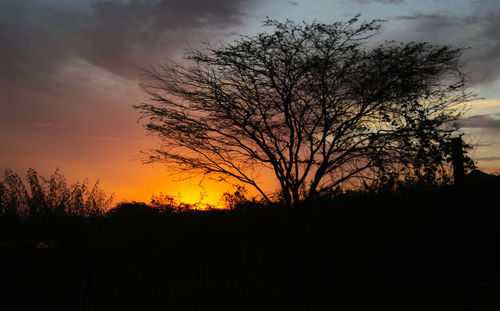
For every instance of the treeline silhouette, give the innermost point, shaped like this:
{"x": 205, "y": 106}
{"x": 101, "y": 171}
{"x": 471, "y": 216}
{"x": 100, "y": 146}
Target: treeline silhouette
{"x": 419, "y": 247}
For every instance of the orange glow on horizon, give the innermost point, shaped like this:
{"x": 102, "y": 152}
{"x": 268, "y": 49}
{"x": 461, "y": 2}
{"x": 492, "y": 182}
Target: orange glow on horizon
{"x": 197, "y": 197}
{"x": 140, "y": 183}
{"x": 185, "y": 192}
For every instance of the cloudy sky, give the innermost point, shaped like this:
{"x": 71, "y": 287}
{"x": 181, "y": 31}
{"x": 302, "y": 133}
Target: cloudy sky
{"x": 70, "y": 71}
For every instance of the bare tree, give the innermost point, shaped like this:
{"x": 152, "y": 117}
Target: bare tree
{"x": 311, "y": 102}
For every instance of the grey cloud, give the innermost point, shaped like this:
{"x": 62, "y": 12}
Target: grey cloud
{"x": 479, "y": 32}
{"x": 429, "y": 22}
{"x": 382, "y": 1}
{"x": 38, "y": 37}
{"x": 481, "y": 121}
{"x": 122, "y": 33}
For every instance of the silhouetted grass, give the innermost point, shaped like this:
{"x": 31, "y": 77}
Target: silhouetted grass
{"x": 419, "y": 248}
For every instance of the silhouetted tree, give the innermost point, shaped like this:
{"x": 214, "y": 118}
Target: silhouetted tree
{"x": 315, "y": 103}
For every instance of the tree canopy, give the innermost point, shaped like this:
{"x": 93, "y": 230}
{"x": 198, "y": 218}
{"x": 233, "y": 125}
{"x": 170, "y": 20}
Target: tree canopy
{"x": 317, "y": 104}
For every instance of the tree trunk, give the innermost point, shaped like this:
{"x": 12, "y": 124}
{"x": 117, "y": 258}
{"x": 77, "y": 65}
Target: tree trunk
{"x": 287, "y": 197}
{"x": 457, "y": 154}
{"x": 295, "y": 197}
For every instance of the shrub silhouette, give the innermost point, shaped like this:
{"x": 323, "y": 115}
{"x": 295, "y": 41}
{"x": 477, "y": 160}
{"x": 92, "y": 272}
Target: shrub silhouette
{"x": 132, "y": 210}
{"x": 52, "y": 196}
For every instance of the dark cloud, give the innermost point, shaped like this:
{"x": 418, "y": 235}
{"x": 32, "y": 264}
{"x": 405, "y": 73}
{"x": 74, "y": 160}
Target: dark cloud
{"x": 77, "y": 62}
{"x": 382, "y": 1}
{"x": 480, "y": 33}
{"x": 481, "y": 121}
{"x": 38, "y": 37}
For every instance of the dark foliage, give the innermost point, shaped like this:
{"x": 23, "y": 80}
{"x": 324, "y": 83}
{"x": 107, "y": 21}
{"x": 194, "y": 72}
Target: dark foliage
{"x": 414, "y": 249}
{"x": 49, "y": 197}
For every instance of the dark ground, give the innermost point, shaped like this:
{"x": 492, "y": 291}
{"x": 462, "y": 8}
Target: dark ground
{"x": 416, "y": 250}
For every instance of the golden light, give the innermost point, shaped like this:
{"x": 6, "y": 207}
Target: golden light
{"x": 198, "y": 197}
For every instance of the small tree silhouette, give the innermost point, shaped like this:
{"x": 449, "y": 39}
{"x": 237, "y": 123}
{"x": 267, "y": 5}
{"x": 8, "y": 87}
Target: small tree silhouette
{"x": 313, "y": 103}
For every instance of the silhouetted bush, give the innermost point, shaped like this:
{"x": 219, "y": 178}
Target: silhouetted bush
{"x": 52, "y": 196}
{"x": 238, "y": 200}
{"x": 164, "y": 203}
{"x": 134, "y": 209}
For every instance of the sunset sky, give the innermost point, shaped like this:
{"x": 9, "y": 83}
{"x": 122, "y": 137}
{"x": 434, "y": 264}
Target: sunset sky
{"x": 70, "y": 71}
